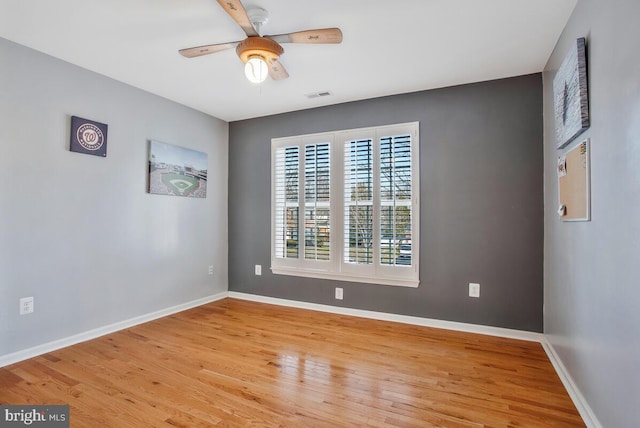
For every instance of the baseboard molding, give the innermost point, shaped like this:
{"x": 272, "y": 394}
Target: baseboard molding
{"x": 576, "y": 396}
{"x": 579, "y": 401}
{"x": 405, "y": 319}
{"x": 25, "y": 354}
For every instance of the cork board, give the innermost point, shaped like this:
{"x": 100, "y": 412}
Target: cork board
{"x": 573, "y": 184}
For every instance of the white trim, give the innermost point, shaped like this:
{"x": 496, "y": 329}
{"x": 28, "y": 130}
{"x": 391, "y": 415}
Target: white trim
{"x": 576, "y": 396}
{"x": 25, "y": 354}
{"x": 337, "y": 268}
{"x": 405, "y": 319}
{"x": 578, "y": 399}
{"x": 588, "y": 416}
{"x": 316, "y": 273}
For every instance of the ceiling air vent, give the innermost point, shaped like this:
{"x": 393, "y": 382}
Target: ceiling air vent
{"x": 318, "y": 94}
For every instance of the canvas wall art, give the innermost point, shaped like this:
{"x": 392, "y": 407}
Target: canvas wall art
{"x": 88, "y": 136}
{"x": 177, "y": 171}
{"x": 570, "y": 93}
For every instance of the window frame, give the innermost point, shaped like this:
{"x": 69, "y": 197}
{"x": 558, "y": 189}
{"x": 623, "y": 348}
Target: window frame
{"x": 336, "y": 268}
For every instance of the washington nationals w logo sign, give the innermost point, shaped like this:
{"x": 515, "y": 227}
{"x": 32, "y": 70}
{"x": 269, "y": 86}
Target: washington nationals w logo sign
{"x": 88, "y": 137}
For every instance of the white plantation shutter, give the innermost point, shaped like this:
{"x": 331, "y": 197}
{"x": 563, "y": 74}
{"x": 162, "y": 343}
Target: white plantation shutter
{"x": 317, "y": 213}
{"x": 395, "y": 200}
{"x": 286, "y": 194}
{"x": 358, "y": 202}
{"x": 345, "y": 206}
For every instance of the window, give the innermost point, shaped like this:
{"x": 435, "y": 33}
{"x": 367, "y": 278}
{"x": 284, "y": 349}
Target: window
{"x": 345, "y": 205}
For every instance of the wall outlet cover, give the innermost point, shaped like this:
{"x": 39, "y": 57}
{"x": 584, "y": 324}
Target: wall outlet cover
{"x": 474, "y": 289}
{"x": 26, "y": 305}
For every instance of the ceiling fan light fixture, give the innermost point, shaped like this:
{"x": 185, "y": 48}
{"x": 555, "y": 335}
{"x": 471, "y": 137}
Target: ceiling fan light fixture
{"x": 256, "y": 69}
{"x": 261, "y": 54}
{"x": 258, "y": 53}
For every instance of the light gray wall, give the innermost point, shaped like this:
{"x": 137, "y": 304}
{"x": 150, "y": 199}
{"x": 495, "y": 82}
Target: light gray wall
{"x": 481, "y": 203}
{"x": 79, "y": 233}
{"x": 592, "y": 274}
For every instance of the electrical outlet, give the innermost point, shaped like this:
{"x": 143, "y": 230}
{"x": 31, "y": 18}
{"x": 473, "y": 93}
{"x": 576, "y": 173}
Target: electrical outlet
{"x": 258, "y": 269}
{"x": 210, "y": 269}
{"x": 339, "y": 293}
{"x": 26, "y": 305}
{"x": 474, "y": 289}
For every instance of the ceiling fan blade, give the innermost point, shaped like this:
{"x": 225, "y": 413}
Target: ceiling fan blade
{"x": 236, "y": 10}
{"x": 276, "y": 70}
{"x": 207, "y": 49}
{"x": 323, "y": 35}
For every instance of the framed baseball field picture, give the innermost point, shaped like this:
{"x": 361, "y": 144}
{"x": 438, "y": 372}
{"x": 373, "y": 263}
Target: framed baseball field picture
{"x": 177, "y": 171}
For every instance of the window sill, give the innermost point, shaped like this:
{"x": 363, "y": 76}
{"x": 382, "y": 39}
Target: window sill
{"x": 307, "y": 273}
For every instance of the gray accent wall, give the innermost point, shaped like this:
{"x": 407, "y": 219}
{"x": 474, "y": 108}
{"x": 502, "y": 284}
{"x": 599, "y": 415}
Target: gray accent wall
{"x": 592, "y": 270}
{"x": 481, "y": 213}
{"x": 79, "y": 233}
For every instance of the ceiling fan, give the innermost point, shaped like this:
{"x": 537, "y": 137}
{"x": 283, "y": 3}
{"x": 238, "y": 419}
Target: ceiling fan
{"x": 261, "y": 54}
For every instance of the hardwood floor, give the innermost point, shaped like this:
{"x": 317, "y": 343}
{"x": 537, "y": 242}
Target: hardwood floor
{"x": 238, "y": 363}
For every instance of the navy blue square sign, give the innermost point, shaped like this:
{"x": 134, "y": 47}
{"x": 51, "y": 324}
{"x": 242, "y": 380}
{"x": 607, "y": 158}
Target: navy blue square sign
{"x": 88, "y": 137}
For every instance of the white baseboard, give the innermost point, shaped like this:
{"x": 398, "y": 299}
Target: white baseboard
{"x": 574, "y": 393}
{"x": 579, "y": 401}
{"x": 15, "y": 357}
{"x": 405, "y": 319}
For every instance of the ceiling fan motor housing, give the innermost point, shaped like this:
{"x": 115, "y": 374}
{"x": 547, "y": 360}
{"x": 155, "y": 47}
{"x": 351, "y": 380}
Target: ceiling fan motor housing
{"x": 259, "y": 46}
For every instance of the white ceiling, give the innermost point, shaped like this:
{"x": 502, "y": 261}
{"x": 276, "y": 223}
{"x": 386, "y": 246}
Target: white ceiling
{"x": 389, "y": 47}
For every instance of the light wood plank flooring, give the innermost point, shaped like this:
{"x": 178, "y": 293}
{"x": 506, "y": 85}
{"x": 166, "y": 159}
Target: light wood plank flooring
{"x": 238, "y": 363}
